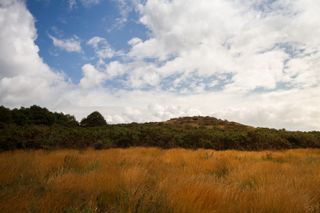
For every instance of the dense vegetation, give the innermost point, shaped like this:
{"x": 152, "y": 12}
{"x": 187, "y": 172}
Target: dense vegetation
{"x": 153, "y": 180}
{"x": 35, "y": 115}
{"x": 38, "y": 128}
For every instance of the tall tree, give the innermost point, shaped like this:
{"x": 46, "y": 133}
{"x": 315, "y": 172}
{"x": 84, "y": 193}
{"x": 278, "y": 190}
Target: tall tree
{"x": 93, "y": 120}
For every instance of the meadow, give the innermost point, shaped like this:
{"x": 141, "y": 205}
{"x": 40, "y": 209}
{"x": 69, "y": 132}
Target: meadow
{"x": 159, "y": 180}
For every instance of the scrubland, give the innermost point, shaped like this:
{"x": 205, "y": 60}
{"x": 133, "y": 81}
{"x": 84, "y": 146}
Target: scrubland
{"x": 157, "y": 180}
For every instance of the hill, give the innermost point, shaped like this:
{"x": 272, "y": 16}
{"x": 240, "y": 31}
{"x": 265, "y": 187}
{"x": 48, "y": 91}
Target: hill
{"x": 38, "y": 128}
{"x": 208, "y": 122}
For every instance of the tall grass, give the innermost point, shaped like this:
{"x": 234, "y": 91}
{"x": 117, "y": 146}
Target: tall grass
{"x": 154, "y": 180}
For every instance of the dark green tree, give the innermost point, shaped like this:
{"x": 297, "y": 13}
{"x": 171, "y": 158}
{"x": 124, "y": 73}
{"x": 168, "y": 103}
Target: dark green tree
{"x": 19, "y": 116}
{"x": 39, "y": 115}
{"x": 93, "y": 120}
{"x": 65, "y": 120}
{"x": 5, "y": 115}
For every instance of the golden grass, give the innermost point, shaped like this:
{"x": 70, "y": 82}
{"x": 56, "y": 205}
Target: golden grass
{"x": 154, "y": 180}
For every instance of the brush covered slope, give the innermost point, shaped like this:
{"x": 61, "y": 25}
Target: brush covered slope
{"x": 38, "y": 128}
{"x": 207, "y": 122}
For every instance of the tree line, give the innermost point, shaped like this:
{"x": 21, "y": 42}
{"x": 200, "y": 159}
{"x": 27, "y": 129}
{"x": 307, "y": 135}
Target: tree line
{"x": 38, "y": 128}
{"x": 36, "y": 115}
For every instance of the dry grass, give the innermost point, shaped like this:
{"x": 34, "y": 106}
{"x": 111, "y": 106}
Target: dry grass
{"x": 154, "y": 180}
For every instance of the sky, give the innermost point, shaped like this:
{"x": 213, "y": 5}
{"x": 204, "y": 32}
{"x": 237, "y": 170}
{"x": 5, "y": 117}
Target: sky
{"x": 255, "y": 62}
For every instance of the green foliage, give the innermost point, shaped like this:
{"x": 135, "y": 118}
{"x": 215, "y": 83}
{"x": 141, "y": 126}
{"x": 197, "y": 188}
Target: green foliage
{"x": 65, "y": 120}
{"x": 93, "y": 120}
{"x": 5, "y": 115}
{"x": 35, "y": 115}
{"x": 37, "y": 128}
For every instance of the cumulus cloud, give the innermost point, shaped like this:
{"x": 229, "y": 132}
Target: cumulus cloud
{"x": 207, "y": 44}
{"x": 254, "y": 41}
{"x": 255, "y": 62}
{"x": 24, "y": 77}
{"x": 102, "y": 47}
{"x": 69, "y": 45}
{"x": 91, "y": 77}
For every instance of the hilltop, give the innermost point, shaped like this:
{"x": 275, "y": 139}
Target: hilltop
{"x": 208, "y": 122}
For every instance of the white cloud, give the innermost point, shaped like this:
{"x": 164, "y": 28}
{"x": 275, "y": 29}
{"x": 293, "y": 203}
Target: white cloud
{"x": 24, "y": 77}
{"x": 134, "y": 41}
{"x": 262, "y": 58}
{"x": 115, "y": 69}
{"x": 86, "y": 3}
{"x": 239, "y": 37}
{"x": 102, "y": 47}
{"x": 124, "y": 8}
{"x": 89, "y": 3}
{"x": 92, "y": 77}
{"x": 95, "y": 41}
{"x": 69, "y": 45}
{"x": 255, "y": 42}
{"x": 95, "y": 76}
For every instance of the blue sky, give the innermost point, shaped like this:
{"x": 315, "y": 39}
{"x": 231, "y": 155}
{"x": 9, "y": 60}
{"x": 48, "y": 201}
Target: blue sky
{"x": 57, "y": 18}
{"x": 251, "y": 61}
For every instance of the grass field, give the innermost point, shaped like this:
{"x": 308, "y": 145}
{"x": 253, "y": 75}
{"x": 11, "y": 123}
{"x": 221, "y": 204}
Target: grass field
{"x": 154, "y": 180}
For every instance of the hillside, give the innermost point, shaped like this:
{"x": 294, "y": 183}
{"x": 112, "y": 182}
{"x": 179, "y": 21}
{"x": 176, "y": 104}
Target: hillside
{"x": 208, "y": 122}
{"x": 38, "y": 128}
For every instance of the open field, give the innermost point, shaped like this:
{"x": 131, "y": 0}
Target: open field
{"x": 155, "y": 180}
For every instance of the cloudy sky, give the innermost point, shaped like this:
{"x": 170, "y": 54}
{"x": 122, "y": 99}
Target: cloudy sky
{"x": 252, "y": 61}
